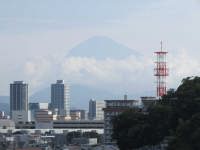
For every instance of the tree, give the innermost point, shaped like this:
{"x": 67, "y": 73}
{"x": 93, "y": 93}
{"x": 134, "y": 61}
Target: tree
{"x": 189, "y": 88}
{"x": 163, "y": 122}
{"x": 187, "y": 135}
{"x": 170, "y": 116}
{"x": 129, "y": 129}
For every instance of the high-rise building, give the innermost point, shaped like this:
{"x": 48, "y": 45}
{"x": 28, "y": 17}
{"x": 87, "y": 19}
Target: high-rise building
{"x": 60, "y": 98}
{"x": 92, "y": 110}
{"x": 18, "y": 96}
{"x": 96, "y": 110}
{"x": 99, "y": 110}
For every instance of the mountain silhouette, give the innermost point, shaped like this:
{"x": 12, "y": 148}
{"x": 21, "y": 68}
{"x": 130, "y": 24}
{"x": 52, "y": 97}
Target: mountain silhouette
{"x": 101, "y": 47}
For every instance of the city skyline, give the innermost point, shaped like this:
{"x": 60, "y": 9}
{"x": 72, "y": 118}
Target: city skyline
{"x": 42, "y": 39}
{"x": 103, "y": 74}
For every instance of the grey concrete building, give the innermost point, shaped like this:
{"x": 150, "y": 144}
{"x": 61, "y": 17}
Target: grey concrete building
{"x": 18, "y": 96}
{"x": 92, "y": 109}
{"x": 60, "y": 98}
{"x": 112, "y": 109}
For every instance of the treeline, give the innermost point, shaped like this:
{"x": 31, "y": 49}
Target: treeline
{"x": 175, "y": 118}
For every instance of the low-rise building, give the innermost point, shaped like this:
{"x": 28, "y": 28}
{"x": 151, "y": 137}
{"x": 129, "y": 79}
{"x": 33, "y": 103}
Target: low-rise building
{"x": 44, "y": 119}
{"x": 148, "y": 102}
{"x": 78, "y": 124}
{"x": 21, "y": 116}
{"x": 77, "y": 114}
{"x": 33, "y": 107}
{"x": 112, "y": 109}
{"x": 7, "y": 124}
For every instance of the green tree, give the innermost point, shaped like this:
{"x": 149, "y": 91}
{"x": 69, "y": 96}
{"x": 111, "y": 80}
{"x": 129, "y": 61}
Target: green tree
{"x": 187, "y": 135}
{"x": 171, "y": 116}
{"x": 129, "y": 128}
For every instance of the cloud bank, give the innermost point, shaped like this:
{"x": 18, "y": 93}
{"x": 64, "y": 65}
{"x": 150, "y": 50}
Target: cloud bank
{"x": 116, "y": 75}
{"x": 133, "y": 75}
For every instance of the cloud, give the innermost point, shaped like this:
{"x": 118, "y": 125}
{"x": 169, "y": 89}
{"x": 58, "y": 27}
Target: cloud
{"x": 109, "y": 70}
{"x": 116, "y": 75}
{"x": 131, "y": 74}
{"x": 181, "y": 65}
{"x": 37, "y": 71}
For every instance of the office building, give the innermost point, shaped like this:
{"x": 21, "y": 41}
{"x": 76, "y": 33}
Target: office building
{"x": 77, "y": 114}
{"x": 21, "y": 116}
{"x": 92, "y": 110}
{"x": 99, "y": 110}
{"x": 44, "y": 119}
{"x": 96, "y": 110}
{"x": 37, "y": 106}
{"x": 33, "y": 107}
{"x": 18, "y": 96}
{"x": 112, "y": 109}
{"x": 60, "y": 98}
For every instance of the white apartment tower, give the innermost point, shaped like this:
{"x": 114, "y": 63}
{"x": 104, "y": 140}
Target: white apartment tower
{"x": 96, "y": 110}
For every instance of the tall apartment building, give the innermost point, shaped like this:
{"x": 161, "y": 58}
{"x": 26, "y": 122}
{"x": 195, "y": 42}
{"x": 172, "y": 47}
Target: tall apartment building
{"x": 112, "y": 109}
{"x": 60, "y": 98}
{"x": 96, "y": 110}
{"x": 92, "y": 110}
{"x": 18, "y": 97}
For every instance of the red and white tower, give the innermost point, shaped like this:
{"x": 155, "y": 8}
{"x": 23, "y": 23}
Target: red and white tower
{"x": 161, "y": 71}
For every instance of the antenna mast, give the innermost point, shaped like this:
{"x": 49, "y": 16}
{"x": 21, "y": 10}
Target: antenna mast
{"x": 161, "y": 71}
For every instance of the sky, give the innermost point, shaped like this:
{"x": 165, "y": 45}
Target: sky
{"x": 35, "y": 37}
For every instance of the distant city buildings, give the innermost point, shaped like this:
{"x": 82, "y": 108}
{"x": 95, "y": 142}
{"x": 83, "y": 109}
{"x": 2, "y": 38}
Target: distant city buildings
{"x": 57, "y": 114}
{"x": 21, "y": 116}
{"x": 77, "y": 114}
{"x": 96, "y": 110}
{"x": 44, "y": 119}
{"x": 3, "y": 115}
{"x": 18, "y": 96}
{"x": 60, "y": 101}
{"x": 7, "y": 124}
{"x": 34, "y": 107}
{"x": 92, "y": 110}
{"x": 99, "y": 110}
{"x": 112, "y": 109}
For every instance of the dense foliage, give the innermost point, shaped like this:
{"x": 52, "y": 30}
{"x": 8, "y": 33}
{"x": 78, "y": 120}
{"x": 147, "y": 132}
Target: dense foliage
{"x": 176, "y": 115}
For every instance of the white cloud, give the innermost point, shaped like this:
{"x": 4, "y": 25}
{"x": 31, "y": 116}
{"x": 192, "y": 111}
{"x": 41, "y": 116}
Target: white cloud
{"x": 37, "y": 72}
{"x": 108, "y": 71}
{"x": 111, "y": 74}
{"x": 131, "y": 74}
{"x": 181, "y": 65}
